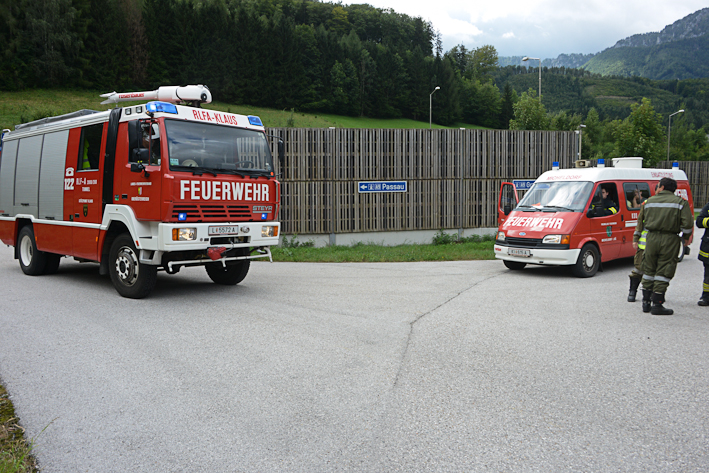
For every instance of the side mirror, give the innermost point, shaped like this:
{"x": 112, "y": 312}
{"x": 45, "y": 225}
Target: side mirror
{"x": 281, "y": 150}
{"x": 137, "y": 167}
{"x": 507, "y": 208}
{"x": 141, "y": 155}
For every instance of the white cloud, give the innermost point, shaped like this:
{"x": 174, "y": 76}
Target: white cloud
{"x": 543, "y": 28}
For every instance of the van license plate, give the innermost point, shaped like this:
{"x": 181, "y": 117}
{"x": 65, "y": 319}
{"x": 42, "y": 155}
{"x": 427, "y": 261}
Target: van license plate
{"x": 224, "y": 230}
{"x": 519, "y": 252}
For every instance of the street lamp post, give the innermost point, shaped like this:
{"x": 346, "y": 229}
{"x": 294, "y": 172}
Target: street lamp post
{"x": 527, "y": 58}
{"x": 579, "y": 132}
{"x": 430, "y": 107}
{"x": 669, "y": 127}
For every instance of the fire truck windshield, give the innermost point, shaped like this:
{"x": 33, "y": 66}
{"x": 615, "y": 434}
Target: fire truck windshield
{"x": 568, "y": 196}
{"x": 217, "y": 148}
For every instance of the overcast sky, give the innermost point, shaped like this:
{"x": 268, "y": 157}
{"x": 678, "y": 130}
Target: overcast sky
{"x": 542, "y": 28}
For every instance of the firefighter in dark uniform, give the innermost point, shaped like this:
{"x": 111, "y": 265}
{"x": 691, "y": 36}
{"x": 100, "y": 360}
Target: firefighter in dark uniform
{"x": 605, "y": 207}
{"x": 703, "y": 222}
{"x": 639, "y": 240}
{"x": 664, "y": 216}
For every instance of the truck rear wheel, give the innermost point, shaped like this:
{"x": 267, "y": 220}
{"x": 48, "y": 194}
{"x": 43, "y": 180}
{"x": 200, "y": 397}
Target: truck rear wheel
{"x": 32, "y": 261}
{"x": 131, "y": 278}
{"x": 53, "y": 261}
{"x": 588, "y": 263}
{"x": 233, "y": 274}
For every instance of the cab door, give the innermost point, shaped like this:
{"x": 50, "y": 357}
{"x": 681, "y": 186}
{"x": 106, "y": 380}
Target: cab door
{"x": 87, "y": 189}
{"x": 138, "y": 169}
{"x": 506, "y": 202}
{"x": 606, "y": 230}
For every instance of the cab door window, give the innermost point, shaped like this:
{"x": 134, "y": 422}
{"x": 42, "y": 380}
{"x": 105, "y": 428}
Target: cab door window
{"x": 635, "y": 194}
{"x": 604, "y": 201}
{"x": 90, "y": 147}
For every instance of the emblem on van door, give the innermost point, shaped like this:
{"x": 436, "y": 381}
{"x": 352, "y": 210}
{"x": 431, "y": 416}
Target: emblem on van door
{"x": 86, "y": 210}
{"x": 609, "y": 230}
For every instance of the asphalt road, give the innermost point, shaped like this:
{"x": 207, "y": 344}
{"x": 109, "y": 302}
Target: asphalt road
{"x": 451, "y": 366}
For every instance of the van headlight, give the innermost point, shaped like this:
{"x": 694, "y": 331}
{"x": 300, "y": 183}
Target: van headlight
{"x": 500, "y": 236}
{"x": 269, "y": 231}
{"x": 557, "y": 239}
{"x": 184, "y": 234}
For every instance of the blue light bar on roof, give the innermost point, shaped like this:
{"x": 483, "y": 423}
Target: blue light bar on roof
{"x": 164, "y": 107}
{"x": 255, "y": 121}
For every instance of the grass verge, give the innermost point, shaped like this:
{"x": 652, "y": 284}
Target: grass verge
{"x": 15, "y": 451}
{"x": 444, "y": 248}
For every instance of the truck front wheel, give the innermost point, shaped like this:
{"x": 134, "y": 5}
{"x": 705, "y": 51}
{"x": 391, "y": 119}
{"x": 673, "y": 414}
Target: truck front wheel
{"x": 32, "y": 261}
{"x": 131, "y": 278}
{"x": 233, "y": 274}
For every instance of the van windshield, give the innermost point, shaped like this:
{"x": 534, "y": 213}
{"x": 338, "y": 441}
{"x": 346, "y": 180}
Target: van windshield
{"x": 559, "y": 196}
{"x": 203, "y": 147}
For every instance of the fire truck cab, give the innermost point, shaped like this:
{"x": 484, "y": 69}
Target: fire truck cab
{"x": 555, "y": 223}
{"x": 156, "y": 186}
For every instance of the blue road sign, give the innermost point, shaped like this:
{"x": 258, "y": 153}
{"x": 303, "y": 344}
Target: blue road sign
{"x": 523, "y": 184}
{"x": 381, "y": 186}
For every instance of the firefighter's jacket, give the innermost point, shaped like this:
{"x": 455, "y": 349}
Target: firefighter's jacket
{"x": 605, "y": 207}
{"x": 667, "y": 213}
{"x": 639, "y": 237}
{"x": 703, "y": 222}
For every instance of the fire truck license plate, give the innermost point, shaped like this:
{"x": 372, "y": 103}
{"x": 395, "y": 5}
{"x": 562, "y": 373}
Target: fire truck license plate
{"x": 519, "y": 252}
{"x": 223, "y": 230}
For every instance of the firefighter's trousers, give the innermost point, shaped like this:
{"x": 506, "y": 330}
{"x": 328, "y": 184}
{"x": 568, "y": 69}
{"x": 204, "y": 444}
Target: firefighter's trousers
{"x": 637, "y": 272}
{"x": 660, "y": 260}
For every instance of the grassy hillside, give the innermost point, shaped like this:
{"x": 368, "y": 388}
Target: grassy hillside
{"x": 683, "y": 59}
{"x": 28, "y": 105}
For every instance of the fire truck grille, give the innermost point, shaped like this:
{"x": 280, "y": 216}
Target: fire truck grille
{"x": 211, "y": 212}
{"x": 523, "y": 242}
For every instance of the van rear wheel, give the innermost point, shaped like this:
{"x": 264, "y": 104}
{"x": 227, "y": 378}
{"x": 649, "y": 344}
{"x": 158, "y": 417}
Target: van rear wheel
{"x": 32, "y": 261}
{"x": 131, "y": 278}
{"x": 588, "y": 262}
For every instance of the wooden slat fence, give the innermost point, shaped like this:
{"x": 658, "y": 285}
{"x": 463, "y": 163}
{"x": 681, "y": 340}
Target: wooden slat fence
{"x": 453, "y": 176}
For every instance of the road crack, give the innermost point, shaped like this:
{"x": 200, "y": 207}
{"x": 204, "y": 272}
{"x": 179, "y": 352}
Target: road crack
{"x": 417, "y": 319}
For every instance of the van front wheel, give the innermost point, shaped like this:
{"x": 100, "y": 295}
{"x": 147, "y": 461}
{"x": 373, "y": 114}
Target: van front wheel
{"x": 588, "y": 262}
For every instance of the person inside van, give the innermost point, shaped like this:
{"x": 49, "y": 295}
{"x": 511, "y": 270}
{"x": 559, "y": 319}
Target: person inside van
{"x": 603, "y": 206}
{"x": 637, "y": 199}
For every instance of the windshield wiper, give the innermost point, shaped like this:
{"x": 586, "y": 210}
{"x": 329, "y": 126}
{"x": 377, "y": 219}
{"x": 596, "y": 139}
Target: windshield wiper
{"x": 559, "y": 208}
{"x": 197, "y": 170}
{"x": 524, "y": 208}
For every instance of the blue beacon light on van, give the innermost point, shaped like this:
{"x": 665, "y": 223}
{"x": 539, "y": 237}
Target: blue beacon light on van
{"x": 255, "y": 121}
{"x": 164, "y": 107}
{"x": 182, "y": 216}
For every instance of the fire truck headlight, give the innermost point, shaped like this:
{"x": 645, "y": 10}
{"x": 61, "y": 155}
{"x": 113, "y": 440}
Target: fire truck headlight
{"x": 184, "y": 234}
{"x": 557, "y": 239}
{"x": 500, "y": 236}
{"x": 269, "y": 231}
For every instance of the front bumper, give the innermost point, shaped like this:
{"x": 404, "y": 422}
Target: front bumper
{"x": 539, "y": 256}
{"x": 247, "y": 234}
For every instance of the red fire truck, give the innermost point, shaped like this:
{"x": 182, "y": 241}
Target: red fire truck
{"x": 156, "y": 186}
{"x": 554, "y": 224}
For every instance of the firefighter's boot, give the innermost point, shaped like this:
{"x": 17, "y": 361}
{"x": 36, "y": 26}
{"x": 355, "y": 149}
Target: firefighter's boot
{"x": 634, "y": 283}
{"x": 704, "y": 300}
{"x": 647, "y": 294}
{"x": 657, "y": 307}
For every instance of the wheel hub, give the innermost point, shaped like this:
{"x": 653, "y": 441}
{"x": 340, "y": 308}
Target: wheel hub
{"x": 588, "y": 260}
{"x": 127, "y": 266}
{"x": 26, "y": 251}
